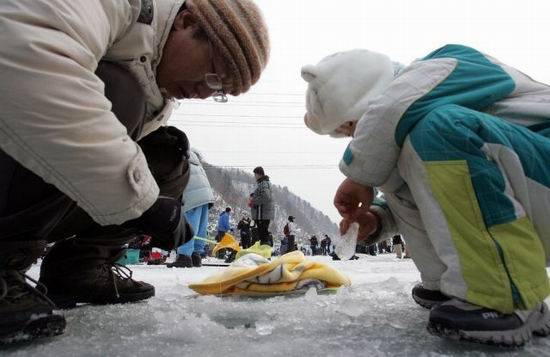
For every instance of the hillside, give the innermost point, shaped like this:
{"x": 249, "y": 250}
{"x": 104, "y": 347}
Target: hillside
{"x": 232, "y": 188}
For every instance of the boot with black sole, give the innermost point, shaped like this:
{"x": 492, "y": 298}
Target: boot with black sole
{"x": 182, "y": 261}
{"x": 25, "y": 311}
{"x": 84, "y": 270}
{"x": 460, "y": 320}
{"x": 196, "y": 259}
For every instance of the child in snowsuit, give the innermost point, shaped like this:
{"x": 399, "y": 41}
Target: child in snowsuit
{"x": 459, "y": 144}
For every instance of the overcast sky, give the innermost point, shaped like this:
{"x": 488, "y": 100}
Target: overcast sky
{"x": 265, "y": 126}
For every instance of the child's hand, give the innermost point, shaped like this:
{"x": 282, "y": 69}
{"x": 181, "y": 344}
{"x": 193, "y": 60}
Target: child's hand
{"x": 352, "y": 199}
{"x": 368, "y": 224}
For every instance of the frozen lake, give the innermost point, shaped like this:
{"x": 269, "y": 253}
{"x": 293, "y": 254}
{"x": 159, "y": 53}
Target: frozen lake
{"x": 375, "y": 317}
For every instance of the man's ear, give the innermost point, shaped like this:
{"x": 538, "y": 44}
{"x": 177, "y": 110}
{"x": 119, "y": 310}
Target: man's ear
{"x": 184, "y": 20}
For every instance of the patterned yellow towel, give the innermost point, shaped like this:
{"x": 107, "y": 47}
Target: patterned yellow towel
{"x": 254, "y": 275}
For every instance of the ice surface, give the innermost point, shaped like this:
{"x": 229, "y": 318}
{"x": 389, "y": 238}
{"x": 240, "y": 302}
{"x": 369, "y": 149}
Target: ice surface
{"x": 375, "y": 317}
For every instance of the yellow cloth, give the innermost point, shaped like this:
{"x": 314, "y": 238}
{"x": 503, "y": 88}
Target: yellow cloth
{"x": 263, "y": 250}
{"x": 255, "y": 275}
{"x": 227, "y": 242}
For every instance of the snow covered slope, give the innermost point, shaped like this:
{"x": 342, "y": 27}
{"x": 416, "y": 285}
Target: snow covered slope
{"x": 376, "y": 317}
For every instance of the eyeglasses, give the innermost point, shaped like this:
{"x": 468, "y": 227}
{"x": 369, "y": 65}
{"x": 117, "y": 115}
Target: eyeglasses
{"x": 214, "y": 82}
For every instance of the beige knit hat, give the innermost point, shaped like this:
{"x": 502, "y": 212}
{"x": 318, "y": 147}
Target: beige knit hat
{"x": 238, "y": 31}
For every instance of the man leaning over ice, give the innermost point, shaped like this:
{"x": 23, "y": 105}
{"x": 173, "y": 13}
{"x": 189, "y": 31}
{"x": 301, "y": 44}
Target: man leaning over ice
{"x": 86, "y": 159}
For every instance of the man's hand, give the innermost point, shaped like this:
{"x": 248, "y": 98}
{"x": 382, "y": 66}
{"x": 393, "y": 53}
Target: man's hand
{"x": 165, "y": 223}
{"x": 352, "y": 199}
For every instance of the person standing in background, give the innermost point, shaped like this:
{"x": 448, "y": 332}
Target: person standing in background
{"x": 244, "y": 228}
{"x": 290, "y": 234}
{"x": 313, "y": 243}
{"x": 223, "y": 223}
{"x": 261, "y": 203}
{"x": 397, "y": 246}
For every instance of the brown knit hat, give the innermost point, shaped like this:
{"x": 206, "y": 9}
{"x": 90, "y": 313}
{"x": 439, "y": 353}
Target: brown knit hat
{"x": 237, "y": 30}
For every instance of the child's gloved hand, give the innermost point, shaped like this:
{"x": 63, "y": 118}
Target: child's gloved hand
{"x": 353, "y": 199}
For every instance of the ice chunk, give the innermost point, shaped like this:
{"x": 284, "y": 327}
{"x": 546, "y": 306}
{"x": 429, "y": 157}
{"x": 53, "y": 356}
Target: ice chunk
{"x": 345, "y": 244}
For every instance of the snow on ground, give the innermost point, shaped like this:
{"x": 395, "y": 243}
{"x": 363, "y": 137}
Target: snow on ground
{"x": 375, "y": 317}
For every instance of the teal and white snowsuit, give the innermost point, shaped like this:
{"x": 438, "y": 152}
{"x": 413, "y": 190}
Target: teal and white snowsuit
{"x": 460, "y": 145}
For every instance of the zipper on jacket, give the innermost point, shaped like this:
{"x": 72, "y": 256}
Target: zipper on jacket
{"x": 516, "y": 296}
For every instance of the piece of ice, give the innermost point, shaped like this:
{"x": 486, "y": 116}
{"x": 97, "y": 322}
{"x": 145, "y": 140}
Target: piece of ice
{"x": 346, "y": 243}
{"x": 264, "y": 328}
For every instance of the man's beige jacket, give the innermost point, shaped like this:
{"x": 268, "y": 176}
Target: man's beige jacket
{"x": 54, "y": 117}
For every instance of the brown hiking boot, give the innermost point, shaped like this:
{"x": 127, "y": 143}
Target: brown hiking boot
{"x": 84, "y": 270}
{"x": 25, "y": 311}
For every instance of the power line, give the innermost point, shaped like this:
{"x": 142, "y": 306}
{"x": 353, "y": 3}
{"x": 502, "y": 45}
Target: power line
{"x": 242, "y": 126}
{"x": 238, "y": 116}
{"x": 297, "y": 105}
{"x": 230, "y": 123}
{"x": 335, "y": 168}
{"x": 239, "y": 100}
{"x": 271, "y": 167}
{"x": 267, "y": 152}
{"x": 233, "y": 124}
{"x": 276, "y": 94}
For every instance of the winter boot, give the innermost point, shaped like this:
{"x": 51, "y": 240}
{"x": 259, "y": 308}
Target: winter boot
{"x": 428, "y": 298}
{"x": 231, "y": 257}
{"x": 182, "y": 261}
{"x": 84, "y": 270}
{"x": 197, "y": 260}
{"x": 459, "y": 320}
{"x": 25, "y": 311}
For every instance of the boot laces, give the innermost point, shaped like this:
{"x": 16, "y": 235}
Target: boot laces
{"x": 118, "y": 272}
{"x": 21, "y": 288}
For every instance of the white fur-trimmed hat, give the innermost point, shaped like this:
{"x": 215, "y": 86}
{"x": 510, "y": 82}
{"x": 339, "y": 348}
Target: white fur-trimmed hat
{"x": 340, "y": 86}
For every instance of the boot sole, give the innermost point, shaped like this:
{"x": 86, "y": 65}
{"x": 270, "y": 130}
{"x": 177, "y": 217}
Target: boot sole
{"x": 40, "y": 327}
{"x": 70, "y": 302}
{"x": 427, "y": 304}
{"x": 537, "y": 324}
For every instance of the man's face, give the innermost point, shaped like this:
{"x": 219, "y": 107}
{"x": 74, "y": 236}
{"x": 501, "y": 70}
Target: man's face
{"x": 186, "y": 59}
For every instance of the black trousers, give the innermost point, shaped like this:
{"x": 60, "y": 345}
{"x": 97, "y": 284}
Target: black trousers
{"x": 263, "y": 232}
{"x": 291, "y": 243}
{"x": 31, "y": 209}
{"x": 245, "y": 240}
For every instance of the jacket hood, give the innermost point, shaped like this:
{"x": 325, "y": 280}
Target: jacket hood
{"x": 340, "y": 87}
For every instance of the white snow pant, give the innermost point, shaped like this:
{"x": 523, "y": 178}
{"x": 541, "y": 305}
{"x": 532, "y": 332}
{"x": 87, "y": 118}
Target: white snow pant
{"x": 474, "y": 209}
